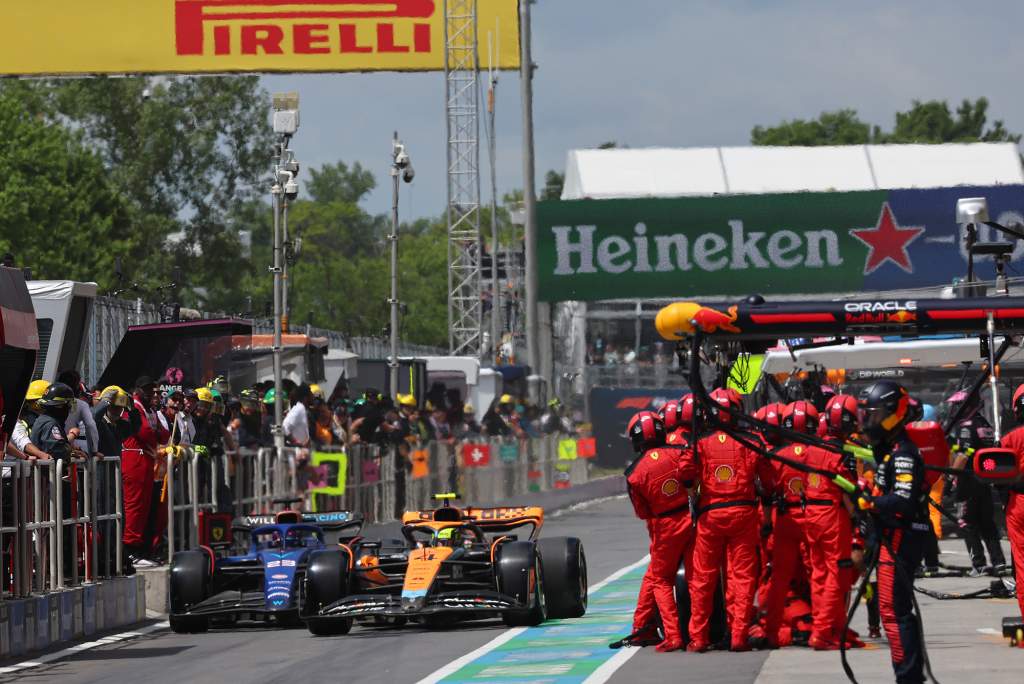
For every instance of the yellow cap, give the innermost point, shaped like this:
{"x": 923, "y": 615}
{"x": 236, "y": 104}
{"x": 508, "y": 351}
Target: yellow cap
{"x": 317, "y": 392}
{"x": 204, "y": 394}
{"x": 406, "y": 400}
{"x": 468, "y": 408}
{"x": 115, "y": 395}
{"x": 36, "y": 390}
{"x": 505, "y": 399}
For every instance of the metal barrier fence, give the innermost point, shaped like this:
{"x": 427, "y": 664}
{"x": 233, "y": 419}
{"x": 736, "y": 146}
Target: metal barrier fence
{"x": 60, "y": 523}
{"x": 380, "y": 482}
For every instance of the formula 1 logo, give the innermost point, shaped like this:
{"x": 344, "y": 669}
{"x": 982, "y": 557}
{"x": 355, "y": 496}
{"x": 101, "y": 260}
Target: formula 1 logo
{"x": 301, "y": 27}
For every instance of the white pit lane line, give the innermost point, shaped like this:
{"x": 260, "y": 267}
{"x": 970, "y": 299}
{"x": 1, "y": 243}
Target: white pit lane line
{"x": 85, "y": 646}
{"x": 599, "y": 676}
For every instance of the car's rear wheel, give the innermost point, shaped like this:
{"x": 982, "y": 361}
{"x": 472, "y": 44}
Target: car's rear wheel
{"x": 189, "y": 584}
{"x": 327, "y": 581}
{"x": 520, "y": 575}
{"x": 565, "y": 576}
{"x": 188, "y": 624}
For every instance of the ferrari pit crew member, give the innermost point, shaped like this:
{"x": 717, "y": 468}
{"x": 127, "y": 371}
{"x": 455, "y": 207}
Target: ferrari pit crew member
{"x": 671, "y": 414}
{"x": 827, "y": 530}
{"x": 727, "y": 529}
{"x": 900, "y": 506}
{"x": 1015, "y": 506}
{"x": 660, "y": 499}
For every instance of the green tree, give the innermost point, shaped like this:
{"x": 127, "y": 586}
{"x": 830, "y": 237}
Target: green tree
{"x": 553, "y": 184}
{"x": 842, "y": 127}
{"x": 56, "y": 202}
{"x": 185, "y": 153}
{"x": 924, "y": 122}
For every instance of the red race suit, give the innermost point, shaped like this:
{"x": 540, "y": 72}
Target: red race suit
{"x": 727, "y": 530}
{"x": 1015, "y": 513}
{"x": 660, "y": 499}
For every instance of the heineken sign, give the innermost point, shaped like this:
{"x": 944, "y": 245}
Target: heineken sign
{"x": 804, "y": 243}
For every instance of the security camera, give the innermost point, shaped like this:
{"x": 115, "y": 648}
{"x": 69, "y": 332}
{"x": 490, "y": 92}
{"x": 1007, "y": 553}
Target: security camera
{"x": 291, "y": 189}
{"x": 408, "y": 173}
{"x": 401, "y": 159}
{"x": 146, "y": 94}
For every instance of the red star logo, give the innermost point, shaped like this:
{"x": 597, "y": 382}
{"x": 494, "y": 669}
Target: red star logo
{"x": 887, "y": 241}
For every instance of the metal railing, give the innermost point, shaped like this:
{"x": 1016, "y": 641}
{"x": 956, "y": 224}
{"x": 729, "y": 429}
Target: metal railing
{"x": 60, "y": 523}
{"x": 379, "y": 482}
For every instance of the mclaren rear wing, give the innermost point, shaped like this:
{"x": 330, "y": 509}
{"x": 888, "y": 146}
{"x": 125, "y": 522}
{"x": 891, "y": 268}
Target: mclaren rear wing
{"x": 496, "y": 520}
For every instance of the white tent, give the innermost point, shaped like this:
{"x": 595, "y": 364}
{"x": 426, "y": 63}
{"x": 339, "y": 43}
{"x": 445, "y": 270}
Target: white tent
{"x": 705, "y": 171}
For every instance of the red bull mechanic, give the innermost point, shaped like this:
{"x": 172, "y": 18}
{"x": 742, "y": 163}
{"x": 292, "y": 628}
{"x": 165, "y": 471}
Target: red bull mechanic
{"x": 899, "y": 504}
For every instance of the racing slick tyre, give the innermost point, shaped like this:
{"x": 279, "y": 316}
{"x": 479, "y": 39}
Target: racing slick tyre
{"x": 327, "y": 581}
{"x": 717, "y": 629}
{"x": 565, "y": 576}
{"x": 520, "y": 575}
{"x": 189, "y": 585}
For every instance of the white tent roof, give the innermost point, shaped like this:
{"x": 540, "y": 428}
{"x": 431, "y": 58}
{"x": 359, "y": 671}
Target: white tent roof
{"x": 704, "y": 171}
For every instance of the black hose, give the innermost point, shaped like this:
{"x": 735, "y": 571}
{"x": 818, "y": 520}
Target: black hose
{"x": 954, "y": 418}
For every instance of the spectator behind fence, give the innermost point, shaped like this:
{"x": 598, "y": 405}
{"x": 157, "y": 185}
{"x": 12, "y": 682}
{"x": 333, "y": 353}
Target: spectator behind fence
{"x": 496, "y": 421}
{"x": 138, "y": 458}
{"x": 21, "y": 445}
{"x": 468, "y": 427}
{"x": 48, "y": 433}
{"x": 116, "y": 418}
{"x": 296, "y": 423}
{"x": 248, "y": 424}
{"x": 80, "y": 426}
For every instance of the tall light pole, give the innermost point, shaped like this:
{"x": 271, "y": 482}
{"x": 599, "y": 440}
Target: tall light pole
{"x": 400, "y": 166}
{"x": 286, "y": 123}
{"x": 529, "y": 191}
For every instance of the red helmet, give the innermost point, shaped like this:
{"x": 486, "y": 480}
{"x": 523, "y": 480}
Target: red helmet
{"x": 671, "y": 415}
{"x": 771, "y": 414}
{"x": 1018, "y": 403}
{"x": 646, "y": 431}
{"x": 686, "y": 408}
{"x": 841, "y": 415}
{"x": 800, "y": 416}
{"x": 726, "y": 398}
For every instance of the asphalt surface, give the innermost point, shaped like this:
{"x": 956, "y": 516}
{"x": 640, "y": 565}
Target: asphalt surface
{"x": 961, "y": 635}
{"x": 612, "y": 538}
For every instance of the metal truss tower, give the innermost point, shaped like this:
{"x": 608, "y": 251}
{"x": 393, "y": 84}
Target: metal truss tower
{"x": 462, "y": 106}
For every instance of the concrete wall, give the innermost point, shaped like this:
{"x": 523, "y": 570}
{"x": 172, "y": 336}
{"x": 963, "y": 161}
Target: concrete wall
{"x": 40, "y": 622}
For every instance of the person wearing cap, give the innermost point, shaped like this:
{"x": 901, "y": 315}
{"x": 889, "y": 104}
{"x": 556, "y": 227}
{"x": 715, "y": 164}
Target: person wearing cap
{"x": 496, "y": 421}
{"x": 116, "y": 419}
{"x": 469, "y": 426}
{"x": 138, "y": 461}
{"x": 21, "y": 445}
{"x": 247, "y": 424}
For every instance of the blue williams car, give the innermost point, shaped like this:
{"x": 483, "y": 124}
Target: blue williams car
{"x": 264, "y": 583}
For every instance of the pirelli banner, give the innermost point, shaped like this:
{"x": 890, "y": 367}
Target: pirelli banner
{"x": 807, "y": 243}
{"x": 194, "y": 36}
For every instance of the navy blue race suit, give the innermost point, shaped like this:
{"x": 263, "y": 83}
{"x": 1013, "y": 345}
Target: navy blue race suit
{"x": 902, "y": 514}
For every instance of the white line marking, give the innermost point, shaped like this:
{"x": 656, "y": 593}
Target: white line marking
{"x": 989, "y": 630}
{"x": 603, "y": 673}
{"x": 77, "y": 648}
{"x": 503, "y": 638}
{"x": 585, "y": 504}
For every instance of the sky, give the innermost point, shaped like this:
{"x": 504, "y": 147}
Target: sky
{"x": 649, "y": 73}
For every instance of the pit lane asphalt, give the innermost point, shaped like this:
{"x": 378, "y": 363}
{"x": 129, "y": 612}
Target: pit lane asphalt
{"x": 612, "y": 538}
